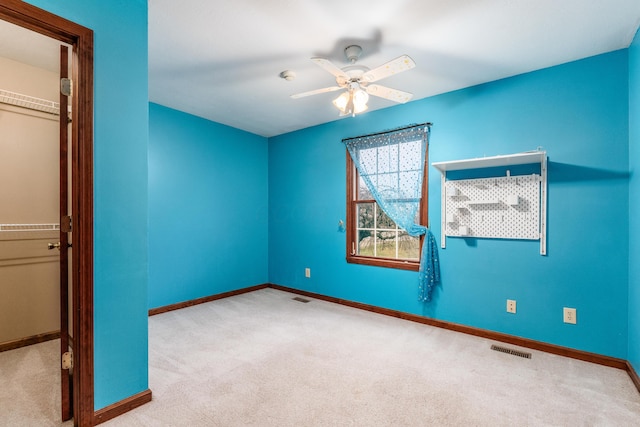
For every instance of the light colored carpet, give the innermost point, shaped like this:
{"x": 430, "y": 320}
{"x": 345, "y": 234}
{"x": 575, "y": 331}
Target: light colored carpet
{"x": 263, "y": 359}
{"x": 30, "y": 386}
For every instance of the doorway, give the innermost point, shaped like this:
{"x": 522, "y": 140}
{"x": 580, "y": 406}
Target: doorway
{"x": 81, "y": 170}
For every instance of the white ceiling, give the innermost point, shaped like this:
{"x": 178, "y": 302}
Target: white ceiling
{"x": 221, "y": 59}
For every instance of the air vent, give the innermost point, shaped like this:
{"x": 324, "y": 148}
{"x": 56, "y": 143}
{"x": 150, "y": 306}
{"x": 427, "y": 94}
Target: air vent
{"x": 511, "y": 351}
{"x": 300, "y": 299}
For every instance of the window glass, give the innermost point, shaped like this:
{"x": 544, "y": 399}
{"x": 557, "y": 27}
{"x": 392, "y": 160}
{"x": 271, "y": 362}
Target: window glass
{"x": 394, "y": 165}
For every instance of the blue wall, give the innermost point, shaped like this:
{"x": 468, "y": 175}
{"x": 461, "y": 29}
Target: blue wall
{"x": 578, "y": 112}
{"x": 208, "y": 196}
{"x": 634, "y": 201}
{"x": 120, "y": 186}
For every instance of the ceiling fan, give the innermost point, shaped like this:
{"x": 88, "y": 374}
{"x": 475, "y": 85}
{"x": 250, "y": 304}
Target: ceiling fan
{"x": 357, "y": 81}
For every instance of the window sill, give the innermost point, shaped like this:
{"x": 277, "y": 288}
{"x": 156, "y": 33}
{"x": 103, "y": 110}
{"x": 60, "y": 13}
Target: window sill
{"x": 384, "y": 262}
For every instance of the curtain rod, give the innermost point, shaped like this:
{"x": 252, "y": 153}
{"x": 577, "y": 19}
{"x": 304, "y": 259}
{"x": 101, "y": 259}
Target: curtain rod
{"x": 389, "y": 131}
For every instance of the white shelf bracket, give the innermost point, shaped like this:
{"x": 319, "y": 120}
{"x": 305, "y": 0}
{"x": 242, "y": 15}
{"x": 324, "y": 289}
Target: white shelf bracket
{"x": 543, "y": 204}
{"x": 443, "y": 210}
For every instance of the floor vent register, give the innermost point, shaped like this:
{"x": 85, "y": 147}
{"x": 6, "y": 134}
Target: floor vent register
{"x": 511, "y": 351}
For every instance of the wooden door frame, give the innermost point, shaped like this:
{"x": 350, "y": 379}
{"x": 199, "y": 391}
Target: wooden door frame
{"x": 66, "y": 385}
{"x": 81, "y": 39}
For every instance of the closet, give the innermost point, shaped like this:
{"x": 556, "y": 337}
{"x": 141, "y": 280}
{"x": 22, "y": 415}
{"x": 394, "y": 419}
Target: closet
{"x": 29, "y": 204}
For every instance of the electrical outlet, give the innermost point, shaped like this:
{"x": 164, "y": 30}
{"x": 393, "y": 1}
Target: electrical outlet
{"x": 307, "y": 272}
{"x": 570, "y": 315}
{"x": 511, "y": 306}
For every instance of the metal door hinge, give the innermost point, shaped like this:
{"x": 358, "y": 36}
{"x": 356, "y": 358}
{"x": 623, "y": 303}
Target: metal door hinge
{"x": 66, "y": 224}
{"x": 66, "y": 86}
{"x": 67, "y": 360}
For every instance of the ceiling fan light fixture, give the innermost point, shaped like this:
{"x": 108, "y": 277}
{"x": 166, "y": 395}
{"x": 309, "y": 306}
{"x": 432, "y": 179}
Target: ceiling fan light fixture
{"x": 352, "y": 102}
{"x": 356, "y": 81}
{"x": 342, "y": 101}
{"x": 360, "y": 99}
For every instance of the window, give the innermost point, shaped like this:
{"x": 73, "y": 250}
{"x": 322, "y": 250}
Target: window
{"x": 394, "y": 168}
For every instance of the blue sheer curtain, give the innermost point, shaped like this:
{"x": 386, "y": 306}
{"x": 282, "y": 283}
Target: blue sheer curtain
{"x": 391, "y": 165}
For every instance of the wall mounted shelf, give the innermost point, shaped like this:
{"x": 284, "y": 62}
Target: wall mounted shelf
{"x": 481, "y": 210}
{"x": 526, "y": 158}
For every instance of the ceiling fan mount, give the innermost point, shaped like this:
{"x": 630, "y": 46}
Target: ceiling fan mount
{"x": 353, "y": 52}
{"x": 357, "y": 79}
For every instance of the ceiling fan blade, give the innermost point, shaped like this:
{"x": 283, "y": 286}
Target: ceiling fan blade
{"x": 388, "y": 93}
{"x": 315, "y": 92}
{"x": 395, "y": 66}
{"x": 330, "y": 67}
